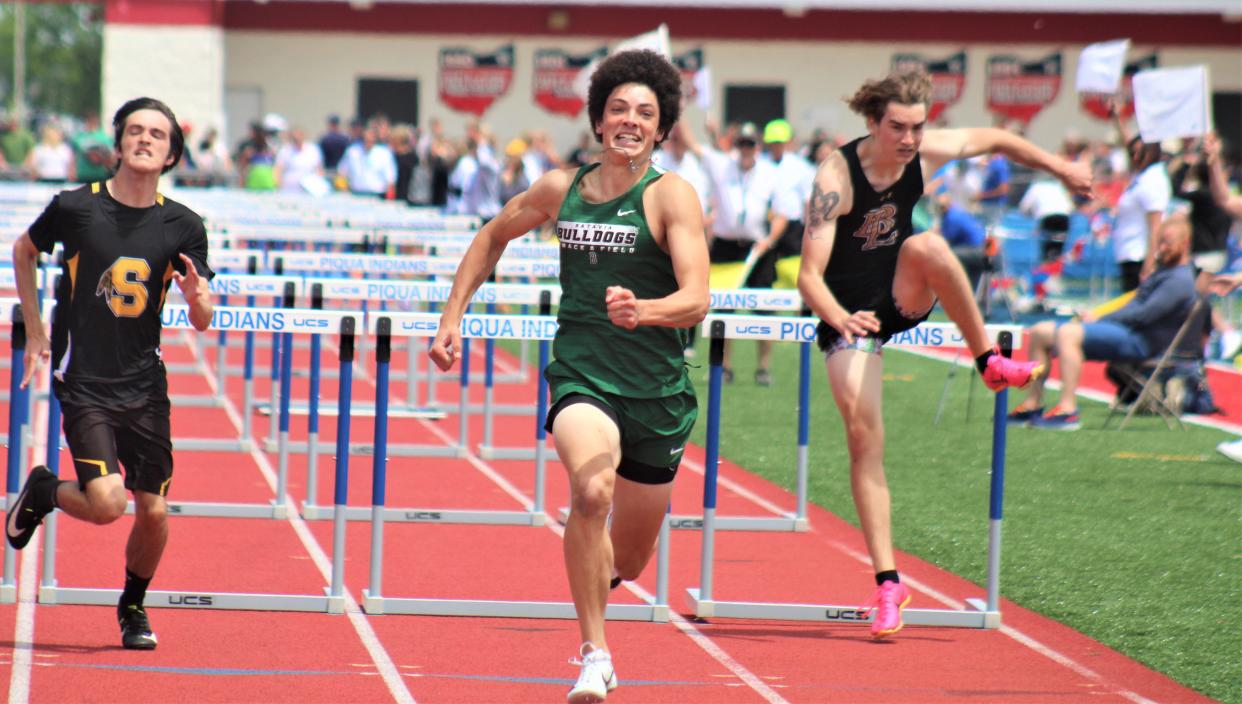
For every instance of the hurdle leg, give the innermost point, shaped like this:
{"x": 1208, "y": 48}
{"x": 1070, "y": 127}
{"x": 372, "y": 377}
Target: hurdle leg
{"x": 312, "y": 425}
{"x": 804, "y": 434}
{"x": 48, "y": 578}
{"x": 708, "y": 554}
{"x": 341, "y": 489}
{"x": 18, "y": 419}
{"x": 373, "y": 600}
{"x": 463, "y": 402}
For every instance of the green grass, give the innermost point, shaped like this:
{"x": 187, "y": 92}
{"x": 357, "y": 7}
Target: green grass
{"x": 1133, "y": 538}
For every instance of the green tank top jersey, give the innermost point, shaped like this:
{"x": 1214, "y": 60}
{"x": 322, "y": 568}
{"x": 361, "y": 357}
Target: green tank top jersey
{"x": 610, "y": 244}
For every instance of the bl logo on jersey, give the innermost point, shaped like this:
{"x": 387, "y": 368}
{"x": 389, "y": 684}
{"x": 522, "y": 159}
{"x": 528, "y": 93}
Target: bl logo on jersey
{"x": 879, "y": 227}
{"x": 124, "y": 286}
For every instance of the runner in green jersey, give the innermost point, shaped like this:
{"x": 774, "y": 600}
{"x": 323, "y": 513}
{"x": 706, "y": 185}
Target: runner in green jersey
{"x": 633, "y": 278}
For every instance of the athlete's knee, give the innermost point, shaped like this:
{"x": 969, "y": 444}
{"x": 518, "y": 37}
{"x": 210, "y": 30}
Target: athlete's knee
{"x": 865, "y": 437}
{"x": 592, "y": 496}
{"x": 106, "y": 508}
{"x": 151, "y": 514}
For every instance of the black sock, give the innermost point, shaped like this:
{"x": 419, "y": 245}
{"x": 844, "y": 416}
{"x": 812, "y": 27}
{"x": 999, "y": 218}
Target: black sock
{"x": 45, "y": 496}
{"x": 887, "y": 576}
{"x": 981, "y": 362}
{"x": 616, "y": 582}
{"x": 135, "y": 591}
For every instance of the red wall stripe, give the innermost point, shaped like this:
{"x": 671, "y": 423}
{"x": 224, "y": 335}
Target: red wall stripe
{"x": 754, "y": 24}
{"x": 182, "y": 12}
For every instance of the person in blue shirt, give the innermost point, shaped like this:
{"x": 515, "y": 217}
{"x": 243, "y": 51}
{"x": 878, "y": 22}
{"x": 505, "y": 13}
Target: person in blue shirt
{"x": 994, "y": 196}
{"x": 965, "y": 235}
{"x": 1141, "y": 329}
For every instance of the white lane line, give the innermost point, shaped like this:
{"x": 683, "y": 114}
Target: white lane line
{"x": 686, "y": 627}
{"x": 27, "y": 587}
{"x": 383, "y": 662}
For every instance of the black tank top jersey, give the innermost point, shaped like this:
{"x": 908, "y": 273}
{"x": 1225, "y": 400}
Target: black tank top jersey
{"x": 118, "y": 266}
{"x": 869, "y": 237}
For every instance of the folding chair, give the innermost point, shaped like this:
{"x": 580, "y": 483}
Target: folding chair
{"x": 1144, "y": 378}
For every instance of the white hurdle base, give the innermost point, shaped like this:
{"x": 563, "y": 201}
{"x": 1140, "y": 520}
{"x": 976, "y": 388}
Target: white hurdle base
{"x": 506, "y": 609}
{"x": 222, "y": 510}
{"x": 945, "y": 618}
{"x": 365, "y": 410}
{"x": 788, "y": 523}
{"x": 491, "y": 452}
{"x": 198, "y": 600}
{"x": 312, "y": 512}
{"x": 8, "y": 593}
{"x": 365, "y": 449}
{"x": 211, "y": 445}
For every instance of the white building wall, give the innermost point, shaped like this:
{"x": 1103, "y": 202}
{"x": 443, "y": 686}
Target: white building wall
{"x": 306, "y": 76}
{"x": 182, "y": 66}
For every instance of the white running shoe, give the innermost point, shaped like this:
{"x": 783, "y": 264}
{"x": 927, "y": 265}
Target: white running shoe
{"x": 596, "y": 679}
{"x": 1231, "y": 449}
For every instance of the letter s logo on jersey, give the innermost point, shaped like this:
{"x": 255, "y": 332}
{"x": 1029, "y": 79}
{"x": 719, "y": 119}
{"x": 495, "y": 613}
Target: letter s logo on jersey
{"x": 124, "y": 285}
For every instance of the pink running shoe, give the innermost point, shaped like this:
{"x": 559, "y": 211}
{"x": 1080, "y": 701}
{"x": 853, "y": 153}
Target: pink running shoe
{"x": 886, "y": 603}
{"x": 1002, "y": 372}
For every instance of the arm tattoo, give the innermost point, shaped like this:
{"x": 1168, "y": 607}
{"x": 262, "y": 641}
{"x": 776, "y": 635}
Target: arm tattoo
{"x": 822, "y": 208}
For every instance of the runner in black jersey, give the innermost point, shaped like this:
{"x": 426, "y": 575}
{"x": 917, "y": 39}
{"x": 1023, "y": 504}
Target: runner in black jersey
{"x": 867, "y": 277}
{"x": 124, "y": 244}
{"x": 633, "y": 271}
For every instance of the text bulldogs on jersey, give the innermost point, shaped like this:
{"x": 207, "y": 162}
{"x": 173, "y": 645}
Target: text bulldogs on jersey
{"x": 594, "y": 237}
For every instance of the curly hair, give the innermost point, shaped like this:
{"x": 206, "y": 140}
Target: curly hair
{"x": 176, "y": 138}
{"x": 636, "y": 66}
{"x": 909, "y": 88}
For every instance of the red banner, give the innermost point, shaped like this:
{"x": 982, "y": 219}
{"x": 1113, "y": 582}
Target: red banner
{"x": 554, "y": 78}
{"x": 471, "y": 82}
{"x": 1019, "y": 91}
{"x": 1096, "y": 105}
{"x": 948, "y": 78}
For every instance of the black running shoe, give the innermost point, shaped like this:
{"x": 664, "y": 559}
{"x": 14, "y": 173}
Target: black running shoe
{"x": 25, "y": 515}
{"x": 135, "y": 628}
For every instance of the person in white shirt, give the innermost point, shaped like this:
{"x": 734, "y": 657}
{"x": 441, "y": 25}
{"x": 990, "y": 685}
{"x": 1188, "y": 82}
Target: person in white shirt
{"x": 673, "y": 155}
{"x": 474, "y": 184}
{"x": 1048, "y": 203}
{"x": 297, "y": 160}
{"x": 1139, "y": 213}
{"x": 369, "y": 166}
{"x": 795, "y": 176}
{"x": 744, "y": 223}
{"x": 52, "y": 160}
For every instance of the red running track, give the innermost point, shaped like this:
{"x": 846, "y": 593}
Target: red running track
{"x": 71, "y": 653}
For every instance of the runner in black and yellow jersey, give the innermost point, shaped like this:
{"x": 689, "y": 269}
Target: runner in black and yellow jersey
{"x": 633, "y": 278}
{"x": 124, "y": 244}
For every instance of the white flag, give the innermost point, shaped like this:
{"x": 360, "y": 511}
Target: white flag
{"x": 656, "y": 40}
{"x": 1172, "y": 102}
{"x": 1100, "y": 67}
{"x": 703, "y": 88}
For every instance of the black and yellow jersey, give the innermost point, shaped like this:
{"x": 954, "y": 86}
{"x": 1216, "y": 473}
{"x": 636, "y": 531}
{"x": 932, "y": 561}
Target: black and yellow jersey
{"x": 118, "y": 265}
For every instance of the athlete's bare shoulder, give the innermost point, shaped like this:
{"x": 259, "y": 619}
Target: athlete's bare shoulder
{"x": 547, "y": 192}
{"x": 832, "y": 194}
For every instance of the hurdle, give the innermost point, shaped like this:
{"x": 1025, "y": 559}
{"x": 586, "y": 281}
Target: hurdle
{"x": 542, "y": 328}
{"x": 985, "y": 614}
{"x": 19, "y": 427}
{"x": 390, "y": 325}
{"x": 278, "y": 321}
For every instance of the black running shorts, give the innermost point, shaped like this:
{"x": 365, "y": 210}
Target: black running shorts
{"x": 102, "y": 440}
